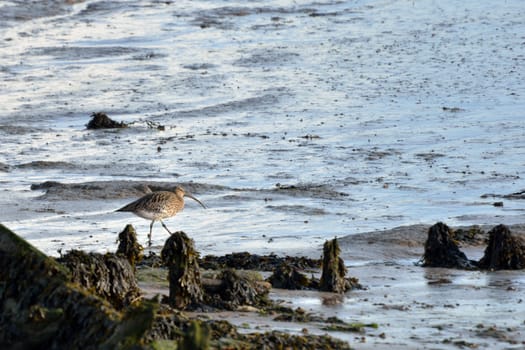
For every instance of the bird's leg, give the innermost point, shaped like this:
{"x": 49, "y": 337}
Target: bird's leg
{"x": 149, "y": 235}
{"x": 165, "y": 227}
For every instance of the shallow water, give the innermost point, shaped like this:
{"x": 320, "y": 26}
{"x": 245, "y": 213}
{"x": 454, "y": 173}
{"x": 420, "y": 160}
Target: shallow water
{"x": 298, "y": 120}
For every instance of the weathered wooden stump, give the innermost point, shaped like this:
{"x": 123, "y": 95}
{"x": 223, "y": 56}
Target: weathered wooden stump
{"x": 334, "y": 270}
{"x": 129, "y": 246}
{"x": 504, "y": 251}
{"x": 442, "y": 251}
{"x": 180, "y": 257}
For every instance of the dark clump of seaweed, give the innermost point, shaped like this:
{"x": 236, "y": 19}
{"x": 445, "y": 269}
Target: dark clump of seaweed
{"x": 234, "y": 290}
{"x": 128, "y": 245}
{"x": 101, "y": 120}
{"x": 248, "y": 261}
{"x": 441, "y": 249}
{"x": 287, "y": 276}
{"x": 279, "y": 340}
{"x": 180, "y": 256}
{"x": 504, "y": 251}
{"x": 107, "y": 275}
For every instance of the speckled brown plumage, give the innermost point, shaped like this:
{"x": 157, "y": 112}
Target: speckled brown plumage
{"x": 159, "y": 205}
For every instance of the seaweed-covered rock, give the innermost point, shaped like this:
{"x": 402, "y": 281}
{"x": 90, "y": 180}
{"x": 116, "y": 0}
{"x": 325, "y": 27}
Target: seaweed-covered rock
{"x": 504, "y": 251}
{"x": 101, "y": 120}
{"x": 442, "y": 251}
{"x": 235, "y": 290}
{"x": 129, "y": 246}
{"x": 42, "y": 309}
{"x": 180, "y": 257}
{"x": 287, "y": 276}
{"x": 334, "y": 270}
{"x": 108, "y": 275}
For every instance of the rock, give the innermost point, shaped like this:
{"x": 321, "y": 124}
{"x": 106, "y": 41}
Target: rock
{"x": 100, "y": 120}
{"x": 504, "y": 251}
{"x": 108, "y": 275}
{"x": 180, "y": 257}
{"x": 442, "y": 251}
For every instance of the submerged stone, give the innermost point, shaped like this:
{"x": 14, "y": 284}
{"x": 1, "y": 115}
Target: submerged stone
{"x": 504, "y": 251}
{"x": 442, "y": 251}
{"x": 180, "y": 256}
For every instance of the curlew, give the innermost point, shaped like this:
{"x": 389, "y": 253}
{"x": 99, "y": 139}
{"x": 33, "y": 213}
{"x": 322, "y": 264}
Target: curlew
{"x": 159, "y": 205}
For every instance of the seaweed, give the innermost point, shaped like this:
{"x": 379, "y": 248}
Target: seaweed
{"x": 101, "y": 120}
{"x": 235, "y": 290}
{"x": 107, "y": 275}
{"x": 248, "y": 261}
{"x": 288, "y": 276}
{"x": 45, "y": 305}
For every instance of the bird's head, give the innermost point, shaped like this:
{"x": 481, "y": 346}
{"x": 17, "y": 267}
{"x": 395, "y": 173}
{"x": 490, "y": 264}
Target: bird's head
{"x": 181, "y": 193}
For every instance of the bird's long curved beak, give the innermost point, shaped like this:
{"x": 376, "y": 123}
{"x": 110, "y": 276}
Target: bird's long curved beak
{"x": 195, "y": 199}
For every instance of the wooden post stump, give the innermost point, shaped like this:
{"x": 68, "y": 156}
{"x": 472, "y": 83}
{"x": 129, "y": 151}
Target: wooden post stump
{"x": 180, "y": 257}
